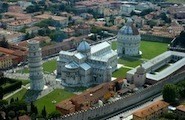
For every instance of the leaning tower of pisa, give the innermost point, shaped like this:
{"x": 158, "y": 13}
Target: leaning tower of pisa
{"x": 35, "y": 65}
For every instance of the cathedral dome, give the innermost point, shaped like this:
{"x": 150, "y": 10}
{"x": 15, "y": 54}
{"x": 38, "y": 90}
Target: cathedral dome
{"x": 84, "y": 47}
{"x": 129, "y": 29}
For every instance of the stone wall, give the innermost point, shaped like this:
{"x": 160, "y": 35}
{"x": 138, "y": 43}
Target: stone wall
{"x": 126, "y": 101}
{"x": 154, "y": 38}
{"x": 176, "y": 49}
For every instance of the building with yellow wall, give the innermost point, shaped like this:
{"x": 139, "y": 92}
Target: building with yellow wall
{"x": 5, "y": 61}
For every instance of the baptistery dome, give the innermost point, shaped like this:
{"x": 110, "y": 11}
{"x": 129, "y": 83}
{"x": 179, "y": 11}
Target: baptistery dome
{"x": 129, "y": 29}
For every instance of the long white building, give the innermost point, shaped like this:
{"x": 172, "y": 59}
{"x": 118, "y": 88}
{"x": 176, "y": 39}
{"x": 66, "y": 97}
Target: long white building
{"x": 88, "y": 65}
{"x": 157, "y": 68}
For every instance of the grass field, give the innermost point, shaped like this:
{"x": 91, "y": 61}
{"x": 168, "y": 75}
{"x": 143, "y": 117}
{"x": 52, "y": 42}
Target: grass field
{"x": 48, "y": 67}
{"x": 149, "y": 49}
{"x": 57, "y": 95}
{"x": 120, "y": 73}
{"x": 24, "y": 82}
{"x": 19, "y": 94}
{"x": 152, "y": 49}
{"x": 114, "y": 45}
{"x": 129, "y": 62}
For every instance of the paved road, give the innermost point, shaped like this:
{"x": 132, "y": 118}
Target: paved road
{"x": 128, "y": 114}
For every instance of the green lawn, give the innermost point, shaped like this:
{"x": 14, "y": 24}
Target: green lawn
{"x": 5, "y": 84}
{"x": 19, "y": 94}
{"x": 149, "y": 49}
{"x": 48, "y": 67}
{"x": 152, "y": 49}
{"x": 129, "y": 62}
{"x": 24, "y": 82}
{"x": 114, "y": 45}
{"x": 120, "y": 73}
{"x": 57, "y": 95}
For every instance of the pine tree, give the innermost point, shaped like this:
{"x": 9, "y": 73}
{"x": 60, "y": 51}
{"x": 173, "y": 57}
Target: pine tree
{"x": 12, "y": 100}
{"x": 1, "y": 93}
{"x": 44, "y": 112}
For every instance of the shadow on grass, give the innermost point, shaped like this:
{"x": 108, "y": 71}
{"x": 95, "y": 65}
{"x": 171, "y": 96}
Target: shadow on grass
{"x": 31, "y": 95}
{"x": 78, "y": 89}
{"x": 131, "y": 59}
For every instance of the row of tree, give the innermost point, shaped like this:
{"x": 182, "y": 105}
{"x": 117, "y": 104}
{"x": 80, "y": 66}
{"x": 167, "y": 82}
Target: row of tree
{"x": 172, "y": 93}
{"x": 8, "y": 85}
{"x": 15, "y": 108}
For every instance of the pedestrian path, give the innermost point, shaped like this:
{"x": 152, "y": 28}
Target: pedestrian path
{"x": 6, "y": 97}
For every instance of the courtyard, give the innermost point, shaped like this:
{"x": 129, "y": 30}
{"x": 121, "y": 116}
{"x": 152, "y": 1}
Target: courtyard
{"x": 149, "y": 51}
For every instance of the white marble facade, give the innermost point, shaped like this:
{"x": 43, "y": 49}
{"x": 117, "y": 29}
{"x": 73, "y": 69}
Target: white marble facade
{"x": 35, "y": 65}
{"x": 88, "y": 65}
{"x": 128, "y": 40}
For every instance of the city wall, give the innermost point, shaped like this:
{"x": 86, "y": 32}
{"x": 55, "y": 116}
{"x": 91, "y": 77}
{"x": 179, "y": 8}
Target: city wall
{"x": 155, "y": 38}
{"x": 126, "y": 101}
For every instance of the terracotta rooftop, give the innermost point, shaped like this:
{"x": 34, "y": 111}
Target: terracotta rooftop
{"x": 47, "y": 16}
{"x": 181, "y": 108}
{"x": 22, "y": 22}
{"x": 66, "y": 104}
{"x": 5, "y": 50}
{"x": 24, "y": 117}
{"x": 4, "y": 57}
{"x": 38, "y": 38}
{"x": 151, "y": 109}
{"x": 89, "y": 96}
{"x": 92, "y": 94}
{"x": 16, "y": 14}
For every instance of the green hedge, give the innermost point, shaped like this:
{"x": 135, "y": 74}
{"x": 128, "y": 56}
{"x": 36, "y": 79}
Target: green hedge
{"x": 12, "y": 87}
{"x": 14, "y": 84}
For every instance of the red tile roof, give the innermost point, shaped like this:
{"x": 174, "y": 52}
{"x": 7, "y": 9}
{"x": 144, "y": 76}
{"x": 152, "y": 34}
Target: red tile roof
{"x": 151, "y": 109}
{"x": 181, "y": 108}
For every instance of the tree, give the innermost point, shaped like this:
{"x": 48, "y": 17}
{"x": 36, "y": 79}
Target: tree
{"x": 57, "y": 36}
{"x": 54, "y": 114}
{"x": 170, "y": 93}
{"x": 12, "y": 100}
{"x": 164, "y": 17}
{"x": 1, "y": 93}
{"x": 3, "y": 103}
{"x": 118, "y": 86}
{"x": 4, "y": 43}
{"x": 44, "y": 113}
{"x": 33, "y": 8}
{"x": 146, "y": 11}
{"x": 180, "y": 40}
{"x": 151, "y": 23}
{"x": 11, "y": 114}
{"x": 4, "y": 7}
{"x": 17, "y": 99}
{"x": 34, "y": 109}
{"x": 22, "y": 112}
